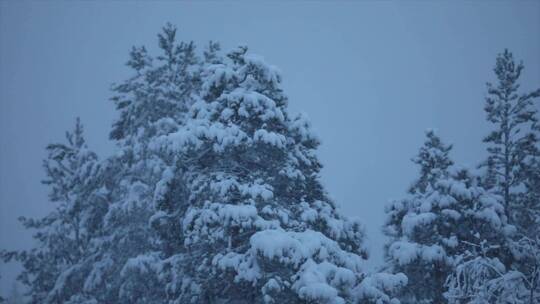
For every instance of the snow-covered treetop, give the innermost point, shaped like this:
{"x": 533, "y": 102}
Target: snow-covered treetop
{"x": 433, "y": 160}
{"x": 161, "y": 87}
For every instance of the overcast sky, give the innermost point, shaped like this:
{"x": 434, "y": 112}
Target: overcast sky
{"x": 372, "y": 76}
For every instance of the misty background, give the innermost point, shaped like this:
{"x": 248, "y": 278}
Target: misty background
{"x": 372, "y": 76}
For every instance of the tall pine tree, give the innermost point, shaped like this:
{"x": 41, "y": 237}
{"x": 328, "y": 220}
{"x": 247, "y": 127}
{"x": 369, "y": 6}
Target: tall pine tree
{"x": 151, "y": 102}
{"x": 513, "y": 140}
{"x": 514, "y": 161}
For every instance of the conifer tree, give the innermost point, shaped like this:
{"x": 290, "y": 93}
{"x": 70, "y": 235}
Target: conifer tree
{"x": 150, "y": 102}
{"x": 434, "y": 161}
{"x": 513, "y": 140}
{"x": 54, "y": 269}
{"x": 435, "y": 226}
{"x": 255, "y": 224}
{"x": 514, "y": 162}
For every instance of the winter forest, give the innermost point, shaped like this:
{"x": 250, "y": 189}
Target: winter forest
{"x": 214, "y": 195}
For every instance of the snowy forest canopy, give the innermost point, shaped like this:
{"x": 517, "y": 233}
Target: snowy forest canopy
{"x": 214, "y": 196}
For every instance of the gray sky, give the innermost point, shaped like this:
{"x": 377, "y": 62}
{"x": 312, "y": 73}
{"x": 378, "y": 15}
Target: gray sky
{"x": 372, "y": 76}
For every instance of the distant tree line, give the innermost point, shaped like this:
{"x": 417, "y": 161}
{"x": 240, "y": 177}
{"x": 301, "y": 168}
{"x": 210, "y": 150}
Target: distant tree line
{"x": 213, "y": 195}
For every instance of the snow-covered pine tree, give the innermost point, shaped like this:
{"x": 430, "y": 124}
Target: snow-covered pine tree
{"x": 156, "y": 97}
{"x": 436, "y": 224}
{"x": 433, "y": 161}
{"x": 255, "y": 224}
{"x": 54, "y": 269}
{"x": 513, "y": 140}
{"x": 514, "y": 160}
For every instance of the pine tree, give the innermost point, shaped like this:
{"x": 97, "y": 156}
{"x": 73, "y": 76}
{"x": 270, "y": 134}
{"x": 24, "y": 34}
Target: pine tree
{"x": 150, "y": 103}
{"x": 253, "y": 222}
{"x": 434, "y": 161}
{"x": 513, "y": 140}
{"x": 54, "y": 268}
{"x": 514, "y": 161}
{"x": 436, "y": 225}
